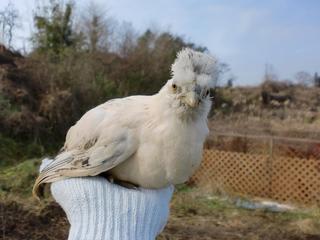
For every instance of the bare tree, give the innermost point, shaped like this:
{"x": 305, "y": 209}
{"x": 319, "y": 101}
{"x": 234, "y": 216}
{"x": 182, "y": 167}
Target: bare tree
{"x": 304, "y": 78}
{"x": 127, "y": 39}
{"x": 8, "y": 22}
{"x": 224, "y": 75}
{"x": 316, "y": 80}
{"x": 270, "y": 74}
{"x": 230, "y": 81}
{"x": 97, "y": 28}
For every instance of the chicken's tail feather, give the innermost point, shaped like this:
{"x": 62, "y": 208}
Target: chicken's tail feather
{"x": 45, "y": 177}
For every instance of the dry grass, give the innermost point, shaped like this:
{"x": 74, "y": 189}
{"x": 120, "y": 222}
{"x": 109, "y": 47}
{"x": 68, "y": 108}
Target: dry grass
{"x": 197, "y": 216}
{"x": 194, "y": 215}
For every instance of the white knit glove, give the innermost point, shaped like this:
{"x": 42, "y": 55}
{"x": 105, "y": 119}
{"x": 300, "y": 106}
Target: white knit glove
{"x": 100, "y": 210}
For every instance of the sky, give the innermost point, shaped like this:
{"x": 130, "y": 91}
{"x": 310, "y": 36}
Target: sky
{"x": 246, "y": 34}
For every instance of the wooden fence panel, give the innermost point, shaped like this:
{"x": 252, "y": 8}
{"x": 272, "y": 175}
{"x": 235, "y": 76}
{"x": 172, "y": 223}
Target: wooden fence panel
{"x": 286, "y": 174}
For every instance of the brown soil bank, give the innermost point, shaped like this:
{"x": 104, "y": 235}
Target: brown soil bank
{"x": 190, "y": 223}
{"x": 18, "y": 223}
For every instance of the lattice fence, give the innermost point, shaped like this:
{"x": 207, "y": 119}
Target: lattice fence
{"x": 286, "y": 170}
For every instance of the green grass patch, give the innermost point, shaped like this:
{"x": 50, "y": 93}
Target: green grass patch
{"x": 183, "y": 188}
{"x": 300, "y": 215}
{"x": 188, "y": 201}
{"x": 12, "y": 152}
{"x": 18, "y": 180}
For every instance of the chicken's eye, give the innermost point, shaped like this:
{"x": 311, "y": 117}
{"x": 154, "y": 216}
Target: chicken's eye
{"x": 174, "y": 86}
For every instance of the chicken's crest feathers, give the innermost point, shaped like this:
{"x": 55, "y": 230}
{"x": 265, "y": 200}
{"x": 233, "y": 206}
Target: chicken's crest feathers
{"x": 192, "y": 66}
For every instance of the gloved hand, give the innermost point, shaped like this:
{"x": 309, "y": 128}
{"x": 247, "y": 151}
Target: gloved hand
{"x": 100, "y": 210}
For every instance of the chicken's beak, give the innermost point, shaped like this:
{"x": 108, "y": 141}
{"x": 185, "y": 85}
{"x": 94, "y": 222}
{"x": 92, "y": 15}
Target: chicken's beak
{"x": 192, "y": 99}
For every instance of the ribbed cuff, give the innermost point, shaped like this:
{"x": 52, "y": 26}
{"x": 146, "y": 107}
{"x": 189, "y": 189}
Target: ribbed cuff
{"x": 99, "y": 210}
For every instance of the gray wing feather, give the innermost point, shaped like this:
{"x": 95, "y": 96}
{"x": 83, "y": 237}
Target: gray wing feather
{"x": 90, "y": 162}
{"x": 99, "y": 141}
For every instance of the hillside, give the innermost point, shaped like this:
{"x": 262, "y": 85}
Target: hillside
{"x": 31, "y": 110}
{"x": 273, "y": 108}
